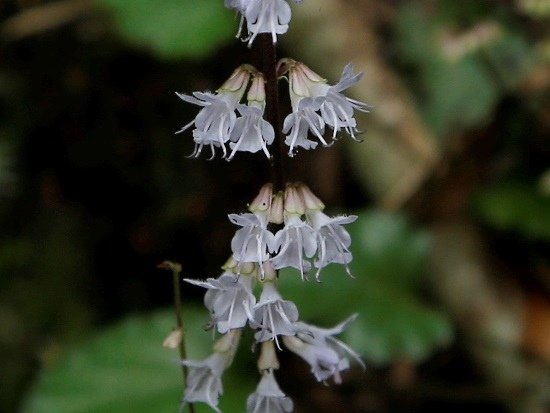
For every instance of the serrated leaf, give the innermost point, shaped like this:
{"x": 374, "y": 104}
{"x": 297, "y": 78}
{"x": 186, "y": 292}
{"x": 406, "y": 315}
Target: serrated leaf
{"x": 516, "y": 206}
{"x": 173, "y": 28}
{"x": 125, "y": 369}
{"x": 394, "y": 322}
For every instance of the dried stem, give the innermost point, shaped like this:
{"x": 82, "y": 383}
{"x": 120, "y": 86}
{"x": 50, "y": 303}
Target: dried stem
{"x": 176, "y": 271}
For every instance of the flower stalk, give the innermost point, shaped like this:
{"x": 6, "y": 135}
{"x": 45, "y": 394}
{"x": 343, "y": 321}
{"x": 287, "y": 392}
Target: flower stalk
{"x": 175, "y": 268}
{"x": 285, "y": 226}
{"x": 264, "y": 55}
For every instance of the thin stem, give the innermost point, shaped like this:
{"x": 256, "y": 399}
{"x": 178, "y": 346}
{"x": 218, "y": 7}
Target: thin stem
{"x": 264, "y": 56}
{"x": 176, "y": 271}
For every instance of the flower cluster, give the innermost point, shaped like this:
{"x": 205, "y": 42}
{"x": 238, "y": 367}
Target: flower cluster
{"x": 284, "y": 227}
{"x": 315, "y": 104}
{"x": 308, "y": 238}
{"x": 217, "y": 122}
{"x": 231, "y": 300}
{"x": 262, "y": 16}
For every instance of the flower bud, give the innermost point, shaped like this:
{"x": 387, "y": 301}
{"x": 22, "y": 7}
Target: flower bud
{"x": 238, "y": 81}
{"x": 256, "y": 93}
{"x": 311, "y": 202}
{"x": 262, "y": 202}
{"x": 277, "y": 206}
{"x": 293, "y": 202}
{"x": 173, "y": 340}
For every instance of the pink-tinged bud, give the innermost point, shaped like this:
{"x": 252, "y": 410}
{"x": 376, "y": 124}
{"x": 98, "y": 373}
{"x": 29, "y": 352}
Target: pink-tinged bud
{"x": 303, "y": 82}
{"x": 173, "y": 340}
{"x": 309, "y": 74}
{"x": 262, "y": 202}
{"x": 311, "y": 202}
{"x": 238, "y": 81}
{"x": 276, "y": 215}
{"x": 268, "y": 357}
{"x": 293, "y": 201}
{"x": 256, "y": 93}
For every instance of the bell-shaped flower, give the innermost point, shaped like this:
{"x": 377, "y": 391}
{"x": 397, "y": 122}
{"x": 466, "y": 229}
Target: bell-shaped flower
{"x": 204, "y": 380}
{"x": 335, "y": 109}
{"x": 267, "y": 16}
{"x": 253, "y": 242}
{"x": 251, "y": 133}
{"x": 215, "y": 121}
{"x": 325, "y": 354}
{"x": 229, "y": 299}
{"x": 273, "y": 316}
{"x": 300, "y": 122}
{"x": 332, "y": 238}
{"x": 268, "y": 397}
{"x": 295, "y": 242}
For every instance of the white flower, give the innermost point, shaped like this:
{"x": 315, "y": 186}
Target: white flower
{"x": 229, "y": 300}
{"x": 204, "y": 382}
{"x": 253, "y": 242}
{"x": 324, "y": 353}
{"x": 337, "y": 109}
{"x": 267, "y": 16}
{"x": 214, "y": 122}
{"x": 309, "y": 90}
{"x": 268, "y": 397}
{"x": 251, "y": 133}
{"x": 273, "y": 315}
{"x": 300, "y": 122}
{"x": 332, "y": 238}
{"x": 297, "y": 240}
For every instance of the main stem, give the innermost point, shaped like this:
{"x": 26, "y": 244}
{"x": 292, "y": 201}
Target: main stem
{"x": 264, "y": 56}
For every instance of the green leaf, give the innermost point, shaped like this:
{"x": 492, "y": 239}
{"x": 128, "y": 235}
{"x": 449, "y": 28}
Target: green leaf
{"x": 394, "y": 322}
{"x": 459, "y": 81}
{"x": 124, "y": 369}
{"x": 516, "y": 206}
{"x": 173, "y": 28}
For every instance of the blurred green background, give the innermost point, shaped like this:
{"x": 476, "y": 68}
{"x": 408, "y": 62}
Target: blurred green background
{"x": 451, "y": 185}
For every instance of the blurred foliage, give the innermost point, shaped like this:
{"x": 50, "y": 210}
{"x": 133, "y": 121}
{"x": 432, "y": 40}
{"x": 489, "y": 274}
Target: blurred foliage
{"x": 516, "y": 207}
{"x": 173, "y": 28}
{"x": 388, "y": 266}
{"x": 95, "y": 190}
{"x": 463, "y": 59}
{"x": 124, "y": 369}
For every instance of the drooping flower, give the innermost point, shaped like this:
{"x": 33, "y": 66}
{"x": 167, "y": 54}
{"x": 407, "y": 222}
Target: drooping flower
{"x": 332, "y": 238}
{"x": 300, "y": 122}
{"x": 273, "y": 316}
{"x": 325, "y": 354}
{"x": 267, "y": 16}
{"x": 229, "y": 299}
{"x": 310, "y": 91}
{"x": 253, "y": 242}
{"x": 204, "y": 381}
{"x": 268, "y": 397}
{"x": 251, "y": 133}
{"x": 296, "y": 241}
{"x": 215, "y": 121}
